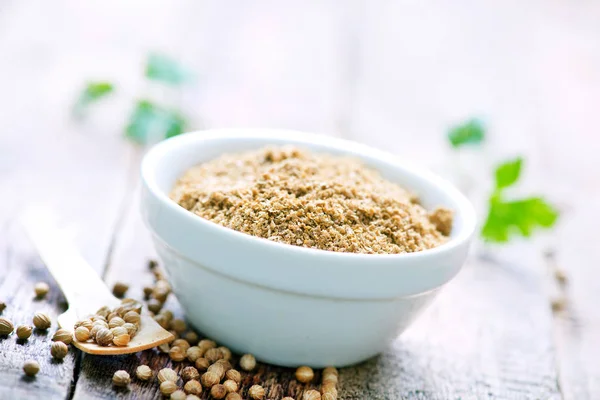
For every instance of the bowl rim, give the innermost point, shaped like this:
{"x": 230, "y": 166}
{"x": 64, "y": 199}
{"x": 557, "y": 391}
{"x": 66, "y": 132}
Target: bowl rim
{"x": 464, "y": 208}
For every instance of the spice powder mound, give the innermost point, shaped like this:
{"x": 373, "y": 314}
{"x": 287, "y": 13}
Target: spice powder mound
{"x": 315, "y": 200}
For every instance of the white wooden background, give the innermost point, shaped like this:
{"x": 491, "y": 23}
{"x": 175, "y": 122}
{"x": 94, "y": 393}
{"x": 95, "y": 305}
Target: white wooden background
{"x": 393, "y": 74}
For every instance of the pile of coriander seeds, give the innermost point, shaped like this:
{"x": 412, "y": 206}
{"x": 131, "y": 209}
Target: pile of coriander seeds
{"x": 108, "y": 327}
{"x": 206, "y": 369}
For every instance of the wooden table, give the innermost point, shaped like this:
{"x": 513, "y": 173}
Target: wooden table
{"x": 391, "y": 74}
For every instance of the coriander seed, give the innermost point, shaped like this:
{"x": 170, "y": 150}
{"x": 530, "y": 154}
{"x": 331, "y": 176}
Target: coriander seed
{"x": 99, "y": 318}
{"x": 177, "y": 354}
{"x": 143, "y": 373}
{"x": 330, "y": 371}
{"x": 191, "y": 337}
{"x": 121, "y": 339}
{"x": 168, "y": 314}
{"x": 202, "y": 364}
{"x": 233, "y": 375}
{"x": 31, "y": 368}
{"x": 59, "y": 350}
{"x": 329, "y": 379}
{"x": 162, "y": 321}
{"x": 132, "y": 317}
{"x": 218, "y": 391}
{"x": 193, "y": 353}
{"x": 181, "y": 343}
{"x": 63, "y": 335}
{"x": 226, "y": 352}
{"x": 304, "y": 374}
{"x": 82, "y": 334}
{"x": 161, "y": 291}
{"x": 152, "y": 264}
{"x": 189, "y": 373}
{"x": 101, "y": 323}
{"x": 104, "y": 337}
{"x": 167, "y": 374}
{"x": 193, "y": 397}
{"x": 154, "y": 305}
{"x": 233, "y": 396}
{"x": 288, "y": 398}
{"x": 121, "y": 378}
{"x": 218, "y": 369}
{"x": 178, "y": 395}
{"x": 103, "y": 311}
{"x": 41, "y": 289}
{"x": 248, "y": 362}
{"x": 6, "y": 327}
{"x": 230, "y": 385}
{"x": 168, "y": 387}
{"x": 95, "y": 329}
{"x": 2, "y": 306}
{"x": 24, "y": 331}
{"x": 256, "y": 392}
{"x": 206, "y": 344}
{"x": 130, "y": 328}
{"x": 147, "y": 292}
{"x": 209, "y": 379}
{"x": 192, "y": 387}
{"x": 178, "y": 325}
{"x": 311, "y": 395}
{"x": 41, "y": 321}
{"x": 328, "y": 396}
{"x": 119, "y": 289}
{"x": 86, "y": 323}
{"x": 212, "y": 355}
{"x": 116, "y": 321}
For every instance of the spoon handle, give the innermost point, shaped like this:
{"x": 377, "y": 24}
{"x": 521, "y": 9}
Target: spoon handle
{"x": 84, "y": 289}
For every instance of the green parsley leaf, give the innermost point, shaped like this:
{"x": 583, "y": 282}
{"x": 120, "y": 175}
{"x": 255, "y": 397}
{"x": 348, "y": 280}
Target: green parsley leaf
{"x": 162, "y": 68}
{"x": 508, "y": 173}
{"x": 507, "y": 218}
{"x": 471, "y": 132}
{"x": 151, "y": 123}
{"x": 93, "y": 92}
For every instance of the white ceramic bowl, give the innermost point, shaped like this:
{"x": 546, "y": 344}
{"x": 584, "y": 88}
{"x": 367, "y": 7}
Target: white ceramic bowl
{"x": 290, "y": 305}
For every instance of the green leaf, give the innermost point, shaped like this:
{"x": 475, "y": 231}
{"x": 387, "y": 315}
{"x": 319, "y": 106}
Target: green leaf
{"x": 471, "y": 132}
{"x": 150, "y": 123}
{"x": 162, "y": 68}
{"x": 508, "y": 173}
{"x": 507, "y": 218}
{"x": 93, "y": 92}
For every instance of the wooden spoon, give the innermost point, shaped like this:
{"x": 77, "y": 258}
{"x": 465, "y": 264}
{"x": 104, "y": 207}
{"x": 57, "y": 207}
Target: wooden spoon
{"x": 83, "y": 288}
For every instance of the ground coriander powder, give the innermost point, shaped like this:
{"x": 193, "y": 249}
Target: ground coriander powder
{"x": 316, "y": 200}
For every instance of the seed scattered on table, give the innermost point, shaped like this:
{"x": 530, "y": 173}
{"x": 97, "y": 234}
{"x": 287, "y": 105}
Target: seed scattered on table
{"x": 119, "y": 289}
{"x": 212, "y": 355}
{"x": 41, "y": 321}
{"x": 178, "y": 395}
{"x": 233, "y": 396}
{"x": 256, "y": 392}
{"x": 167, "y": 374}
{"x": 311, "y": 395}
{"x": 193, "y": 353}
{"x": 226, "y": 352}
{"x": 202, "y": 364}
{"x": 209, "y": 379}
{"x": 304, "y": 374}
{"x": 168, "y": 387}
{"x": 230, "y": 385}
{"x": 6, "y": 327}
{"x": 192, "y": 387}
{"x": 31, "y": 368}
{"x": 233, "y": 375}
{"x": 121, "y": 378}
{"x": 63, "y": 335}
{"x": 143, "y": 373}
{"x": 41, "y": 289}
{"x": 59, "y": 350}
{"x": 218, "y": 391}
{"x": 190, "y": 373}
{"x": 24, "y": 331}
{"x": 2, "y": 306}
{"x": 191, "y": 337}
{"x": 177, "y": 354}
{"x": 248, "y": 362}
